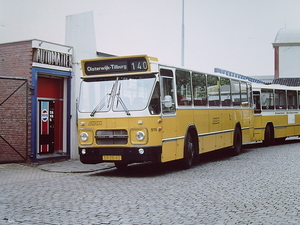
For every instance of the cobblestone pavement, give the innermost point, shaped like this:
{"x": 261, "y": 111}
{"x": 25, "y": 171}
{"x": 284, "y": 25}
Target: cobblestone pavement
{"x": 260, "y": 186}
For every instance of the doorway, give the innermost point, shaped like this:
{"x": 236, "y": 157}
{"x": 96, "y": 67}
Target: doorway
{"x": 50, "y": 115}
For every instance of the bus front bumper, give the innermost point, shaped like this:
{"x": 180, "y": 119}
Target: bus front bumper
{"x": 92, "y": 155}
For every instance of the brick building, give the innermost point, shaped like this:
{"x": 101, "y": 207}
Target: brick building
{"x": 35, "y": 84}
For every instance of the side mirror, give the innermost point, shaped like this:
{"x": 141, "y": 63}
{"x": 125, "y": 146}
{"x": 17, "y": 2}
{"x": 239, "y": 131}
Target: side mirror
{"x": 168, "y": 101}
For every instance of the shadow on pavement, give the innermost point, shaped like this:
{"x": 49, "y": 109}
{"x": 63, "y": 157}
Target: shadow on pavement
{"x": 151, "y": 169}
{"x": 160, "y": 169}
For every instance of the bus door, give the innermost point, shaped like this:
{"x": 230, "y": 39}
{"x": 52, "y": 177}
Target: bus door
{"x": 169, "y": 124}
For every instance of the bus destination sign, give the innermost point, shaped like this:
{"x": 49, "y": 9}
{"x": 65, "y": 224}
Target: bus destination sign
{"x": 110, "y": 66}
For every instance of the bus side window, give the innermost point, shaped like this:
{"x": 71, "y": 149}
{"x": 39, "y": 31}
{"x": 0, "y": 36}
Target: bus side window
{"x": 280, "y": 99}
{"x": 256, "y": 97}
{"x": 267, "y": 99}
{"x": 236, "y": 93}
{"x": 225, "y": 90}
{"x": 183, "y": 87}
{"x": 199, "y": 89}
{"x": 244, "y": 95}
{"x": 299, "y": 99}
{"x": 250, "y": 94}
{"x": 292, "y": 99}
{"x": 154, "y": 106}
{"x": 167, "y": 91}
{"x": 213, "y": 90}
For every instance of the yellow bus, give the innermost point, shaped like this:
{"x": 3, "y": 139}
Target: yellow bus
{"x": 276, "y": 114}
{"x": 134, "y": 109}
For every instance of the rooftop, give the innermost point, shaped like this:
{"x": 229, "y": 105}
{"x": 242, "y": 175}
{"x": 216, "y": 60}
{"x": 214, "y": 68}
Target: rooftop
{"x": 287, "y": 36}
{"x": 287, "y": 81}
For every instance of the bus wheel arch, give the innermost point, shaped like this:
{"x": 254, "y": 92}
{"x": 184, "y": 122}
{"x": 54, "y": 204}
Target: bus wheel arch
{"x": 237, "y": 140}
{"x": 269, "y": 134}
{"x": 191, "y": 148}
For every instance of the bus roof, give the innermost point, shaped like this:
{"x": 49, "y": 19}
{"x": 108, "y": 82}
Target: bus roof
{"x": 274, "y": 86}
{"x": 130, "y": 65}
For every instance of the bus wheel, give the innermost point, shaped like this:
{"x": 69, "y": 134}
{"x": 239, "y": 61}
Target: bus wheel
{"x": 189, "y": 152}
{"x": 120, "y": 165}
{"x": 237, "y": 142}
{"x": 269, "y": 139}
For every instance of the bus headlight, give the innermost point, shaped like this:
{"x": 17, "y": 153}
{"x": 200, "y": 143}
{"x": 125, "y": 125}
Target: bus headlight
{"x": 140, "y": 135}
{"x": 84, "y": 136}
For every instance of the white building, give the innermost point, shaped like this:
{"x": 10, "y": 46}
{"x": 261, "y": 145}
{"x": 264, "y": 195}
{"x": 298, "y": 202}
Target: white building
{"x": 287, "y": 53}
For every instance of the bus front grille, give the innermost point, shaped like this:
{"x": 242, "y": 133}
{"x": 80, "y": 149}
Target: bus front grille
{"x": 111, "y": 137}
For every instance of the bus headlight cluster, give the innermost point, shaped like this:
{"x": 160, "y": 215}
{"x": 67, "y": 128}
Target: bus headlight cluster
{"x": 84, "y": 136}
{"x": 140, "y": 135}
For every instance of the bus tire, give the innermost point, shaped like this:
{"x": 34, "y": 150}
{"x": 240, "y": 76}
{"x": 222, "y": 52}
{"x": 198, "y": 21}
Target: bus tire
{"x": 269, "y": 138}
{"x": 121, "y": 166}
{"x": 237, "y": 142}
{"x": 189, "y": 152}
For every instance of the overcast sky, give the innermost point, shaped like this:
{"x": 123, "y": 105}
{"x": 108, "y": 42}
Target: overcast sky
{"x": 234, "y": 35}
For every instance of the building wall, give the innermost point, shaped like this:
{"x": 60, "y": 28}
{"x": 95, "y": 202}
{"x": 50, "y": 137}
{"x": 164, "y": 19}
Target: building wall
{"x": 289, "y": 61}
{"x": 15, "y": 62}
{"x": 15, "y": 59}
{"x": 276, "y": 61}
{"x": 80, "y": 34}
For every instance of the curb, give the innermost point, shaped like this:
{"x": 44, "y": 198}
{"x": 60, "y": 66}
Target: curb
{"x": 73, "y": 167}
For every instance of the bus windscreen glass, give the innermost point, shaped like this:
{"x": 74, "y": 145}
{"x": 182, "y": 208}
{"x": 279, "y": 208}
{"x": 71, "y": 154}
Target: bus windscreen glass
{"x": 120, "y": 94}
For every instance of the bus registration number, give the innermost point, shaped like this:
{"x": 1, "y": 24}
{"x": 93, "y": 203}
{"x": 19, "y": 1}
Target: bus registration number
{"x": 111, "y": 157}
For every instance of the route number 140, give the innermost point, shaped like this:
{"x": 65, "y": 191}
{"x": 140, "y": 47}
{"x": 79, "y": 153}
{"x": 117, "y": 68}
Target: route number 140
{"x": 139, "y": 65}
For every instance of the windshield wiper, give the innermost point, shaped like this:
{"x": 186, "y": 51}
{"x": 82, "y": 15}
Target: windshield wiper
{"x": 103, "y": 100}
{"x": 119, "y": 99}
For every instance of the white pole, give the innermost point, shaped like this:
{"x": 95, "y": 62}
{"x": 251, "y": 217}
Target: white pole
{"x": 182, "y": 35}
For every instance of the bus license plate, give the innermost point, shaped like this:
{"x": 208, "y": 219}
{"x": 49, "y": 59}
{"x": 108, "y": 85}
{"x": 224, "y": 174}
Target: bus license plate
{"x": 112, "y": 157}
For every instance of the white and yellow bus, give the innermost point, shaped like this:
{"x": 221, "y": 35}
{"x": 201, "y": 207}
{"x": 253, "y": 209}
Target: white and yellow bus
{"x": 134, "y": 109}
{"x": 276, "y": 114}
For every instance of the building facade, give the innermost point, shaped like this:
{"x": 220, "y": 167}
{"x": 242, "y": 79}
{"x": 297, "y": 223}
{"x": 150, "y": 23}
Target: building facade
{"x": 287, "y": 53}
{"x": 35, "y": 77}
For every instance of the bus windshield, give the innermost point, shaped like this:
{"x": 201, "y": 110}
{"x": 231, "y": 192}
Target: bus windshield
{"x": 118, "y": 94}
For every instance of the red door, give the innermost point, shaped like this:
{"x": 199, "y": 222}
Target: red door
{"x": 50, "y": 98}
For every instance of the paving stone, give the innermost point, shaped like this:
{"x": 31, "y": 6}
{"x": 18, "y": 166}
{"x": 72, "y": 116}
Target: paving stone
{"x": 260, "y": 186}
